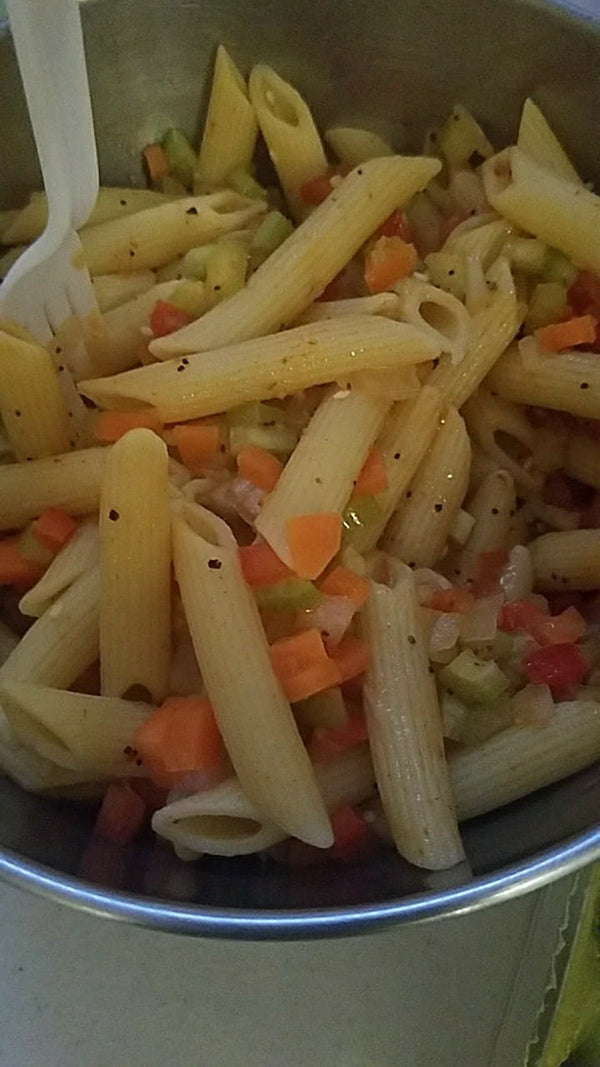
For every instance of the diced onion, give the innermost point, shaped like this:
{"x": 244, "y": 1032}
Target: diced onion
{"x": 444, "y": 633}
{"x": 530, "y": 353}
{"x": 532, "y": 706}
{"x": 332, "y": 617}
{"x": 481, "y": 622}
{"x": 427, "y": 582}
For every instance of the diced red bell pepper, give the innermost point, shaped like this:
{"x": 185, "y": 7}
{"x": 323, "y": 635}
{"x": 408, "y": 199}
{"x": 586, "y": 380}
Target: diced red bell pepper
{"x": 349, "y": 832}
{"x": 166, "y": 318}
{"x": 520, "y": 615}
{"x": 121, "y": 814}
{"x": 329, "y": 741}
{"x": 561, "y": 667}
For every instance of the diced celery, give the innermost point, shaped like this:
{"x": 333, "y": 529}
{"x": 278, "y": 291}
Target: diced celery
{"x": 526, "y": 254}
{"x": 254, "y": 414}
{"x": 498, "y": 649}
{"x": 360, "y": 513}
{"x": 353, "y": 561}
{"x": 273, "y": 231}
{"x": 470, "y": 724}
{"x": 171, "y": 186}
{"x": 447, "y": 270}
{"x": 190, "y": 297}
{"x": 181, "y": 156}
{"x": 245, "y": 184}
{"x": 279, "y": 439}
{"x": 32, "y": 548}
{"x": 558, "y": 268}
{"x": 293, "y": 594}
{"x": 323, "y": 709}
{"x": 454, "y": 713}
{"x": 194, "y": 262}
{"x": 547, "y": 304}
{"x": 461, "y": 137}
{"x": 226, "y": 268}
{"x": 474, "y": 680}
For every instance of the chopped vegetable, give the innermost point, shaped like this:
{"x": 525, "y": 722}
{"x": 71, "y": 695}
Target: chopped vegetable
{"x": 372, "y": 478}
{"x": 313, "y": 541}
{"x": 489, "y": 570}
{"x": 197, "y": 445}
{"x": 166, "y": 318}
{"x": 302, "y": 665}
{"x": 396, "y": 225}
{"x": 293, "y": 594}
{"x": 109, "y": 426}
{"x": 15, "y": 568}
{"x": 121, "y": 814}
{"x": 260, "y": 467}
{"x": 32, "y": 548}
{"x": 273, "y": 231}
{"x": 180, "y": 156}
{"x": 349, "y": 832}
{"x": 190, "y": 297}
{"x": 520, "y": 615}
{"x": 327, "y": 742}
{"x": 156, "y": 163}
{"x": 563, "y": 629}
{"x": 351, "y": 657}
{"x": 561, "y": 335}
{"x": 54, "y": 528}
{"x": 315, "y": 191}
{"x": 548, "y": 304}
{"x": 561, "y": 667}
{"x": 180, "y": 736}
{"x": 245, "y": 184}
{"x": 343, "y": 582}
{"x": 474, "y": 680}
{"x": 360, "y": 513}
{"x": 327, "y": 708}
{"x": 388, "y": 261}
{"x": 454, "y": 600}
{"x": 261, "y": 566}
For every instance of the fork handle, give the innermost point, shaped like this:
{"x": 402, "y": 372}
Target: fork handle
{"x": 49, "y": 45}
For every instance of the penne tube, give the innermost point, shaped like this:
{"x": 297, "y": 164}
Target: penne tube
{"x": 71, "y": 481}
{"x": 254, "y": 717}
{"x": 537, "y": 140}
{"x": 378, "y": 304}
{"x": 504, "y": 433}
{"x": 435, "y": 312}
{"x": 569, "y": 381}
{"x": 568, "y": 559}
{"x": 223, "y": 821}
{"x": 32, "y": 405}
{"x": 559, "y": 212}
{"x": 230, "y": 127}
{"x": 264, "y": 368}
{"x": 353, "y": 145}
{"x": 88, "y": 734}
{"x": 405, "y": 728}
{"x": 81, "y": 552}
{"x": 493, "y": 328}
{"x": 30, "y": 770}
{"x": 111, "y": 290}
{"x": 123, "y": 343}
{"x": 521, "y": 759}
{"x": 112, "y": 203}
{"x": 493, "y": 508}
{"x": 298, "y": 271}
{"x": 63, "y": 642}
{"x": 581, "y": 459}
{"x": 156, "y": 235}
{"x": 343, "y": 428}
{"x": 292, "y": 139}
{"x": 483, "y": 241}
{"x": 418, "y": 531}
{"x": 406, "y": 436}
{"x": 135, "y": 568}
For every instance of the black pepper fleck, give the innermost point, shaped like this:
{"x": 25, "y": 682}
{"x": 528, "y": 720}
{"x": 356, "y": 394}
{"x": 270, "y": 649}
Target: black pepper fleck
{"x": 584, "y": 385}
{"x": 215, "y": 564}
{"x": 438, "y": 507}
{"x": 113, "y": 515}
{"x": 192, "y": 210}
{"x": 408, "y": 494}
{"x": 17, "y": 413}
{"x": 132, "y": 252}
{"x": 412, "y": 639}
{"x": 495, "y": 511}
{"x": 396, "y": 455}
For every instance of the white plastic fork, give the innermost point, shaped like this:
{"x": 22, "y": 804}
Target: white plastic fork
{"x": 47, "y": 284}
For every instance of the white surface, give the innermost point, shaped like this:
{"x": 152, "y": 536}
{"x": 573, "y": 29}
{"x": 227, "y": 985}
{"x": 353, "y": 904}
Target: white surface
{"x": 79, "y": 991}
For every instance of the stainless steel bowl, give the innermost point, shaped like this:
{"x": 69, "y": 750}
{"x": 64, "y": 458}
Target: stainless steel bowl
{"x": 397, "y": 67}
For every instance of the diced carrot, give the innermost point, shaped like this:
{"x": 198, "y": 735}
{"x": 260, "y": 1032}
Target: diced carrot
{"x": 329, "y": 741}
{"x": 372, "y": 478}
{"x": 580, "y": 330}
{"x": 167, "y": 318}
{"x": 343, "y": 582}
{"x": 54, "y": 528}
{"x": 390, "y": 260}
{"x": 316, "y": 190}
{"x": 313, "y": 541}
{"x": 156, "y": 162}
{"x": 15, "y": 568}
{"x": 302, "y": 665}
{"x": 455, "y": 599}
{"x": 112, "y": 425}
{"x": 396, "y": 225}
{"x": 349, "y": 831}
{"x": 261, "y": 566}
{"x": 197, "y": 445}
{"x": 121, "y": 814}
{"x": 260, "y": 467}
{"x": 179, "y": 737}
{"x": 351, "y": 657}
{"x": 563, "y": 629}
{"x": 153, "y": 795}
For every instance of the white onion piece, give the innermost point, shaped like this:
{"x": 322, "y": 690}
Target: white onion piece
{"x": 428, "y": 582}
{"x": 517, "y": 577}
{"x": 480, "y": 623}
{"x": 532, "y": 706}
{"x": 332, "y": 617}
{"x": 444, "y": 632}
{"x": 530, "y": 353}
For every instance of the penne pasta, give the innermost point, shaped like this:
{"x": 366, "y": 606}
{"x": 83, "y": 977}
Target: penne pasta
{"x": 32, "y": 406}
{"x": 112, "y": 203}
{"x": 265, "y": 368}
{"x": 435, "y": 312}
{"x": 492, "y": 508}
{"x": 135, "y": 568}
{"x": 537, "y": 140}
{"x": 353, "y": 145}
{"x": 568, "y": 559}
{"x": 79, "y": 554}
{"x": 111, "y": 290}
{"x": 566, "y": 382}
{"x": 230, "y": 128}
{"x": 253, "y": 715}
{"x": 298, "y": 271}
{"x": 71, "y": 481}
